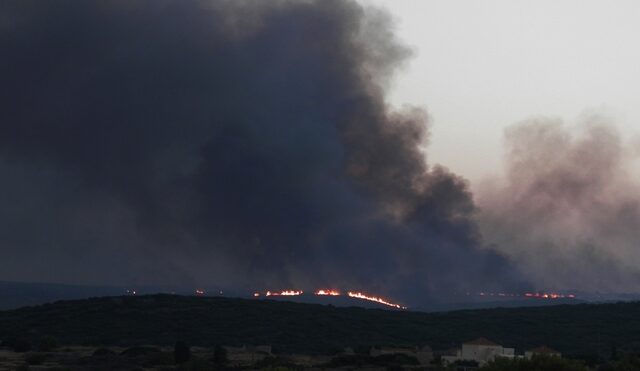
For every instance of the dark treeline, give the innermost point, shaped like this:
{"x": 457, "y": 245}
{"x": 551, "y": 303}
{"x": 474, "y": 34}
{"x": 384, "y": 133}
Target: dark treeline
{"x": 592, "y": 330}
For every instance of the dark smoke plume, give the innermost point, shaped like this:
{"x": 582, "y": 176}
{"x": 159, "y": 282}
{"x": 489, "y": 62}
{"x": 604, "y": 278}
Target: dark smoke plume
{"x": 569, "y": 211}
{"x": 237, "y": 143}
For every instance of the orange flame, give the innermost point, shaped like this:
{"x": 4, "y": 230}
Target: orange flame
{"x": 548, "y": 295}
{"x": 360, "y": 295}
{"x": 283, "y": 293}
{"x": 291, "y": 293}
{"x": 327, "y": 293}
{"x": 536, "y": 295}
{"x": 330, "y": 292}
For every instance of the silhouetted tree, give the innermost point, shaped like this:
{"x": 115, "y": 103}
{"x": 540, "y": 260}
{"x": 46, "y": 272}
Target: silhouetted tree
{"x": 19, "y": 345}
{"x": 614, "y": 351}
{"x": 47, "y": 344}
{"x": 219, "y": 355}
{"x": 628, "y": 362}
{"x": 181, "y": 352}
{"x": 535, "y": 364}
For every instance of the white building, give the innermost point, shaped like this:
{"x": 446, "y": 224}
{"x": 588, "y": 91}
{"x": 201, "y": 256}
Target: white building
{"x": 480, "y": 350}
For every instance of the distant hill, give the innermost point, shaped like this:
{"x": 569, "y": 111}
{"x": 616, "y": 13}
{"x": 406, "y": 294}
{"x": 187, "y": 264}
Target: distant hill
{"x": 505, "y": 303}
{"x": 336, "y": 301}
{"x": 583, "y": 329}
{"x": 473, "y": 303}
{"x": 20, "y": 294}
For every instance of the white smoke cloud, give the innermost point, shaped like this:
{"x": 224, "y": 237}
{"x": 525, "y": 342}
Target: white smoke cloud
{"x": 568, "y": 211}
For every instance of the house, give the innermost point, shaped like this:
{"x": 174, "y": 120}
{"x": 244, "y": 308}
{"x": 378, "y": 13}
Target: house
{"x": 379, "y": 351}
{"x": 424, "y": 354}
{"x": 247, "y": 355}
{"x": 542, "y": 350}
{"x": 480, "y": 350}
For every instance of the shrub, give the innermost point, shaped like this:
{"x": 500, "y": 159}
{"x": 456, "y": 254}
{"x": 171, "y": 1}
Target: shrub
{"x": 219, "y": 355}
{"x": 103, "y": 352}
{"x": 35, "y": 359}
{"x": 350, "y": 360}
{"x": 275, "y": 363}
{"x": 181, "y": 352}
{"x": 47, "y": 344}
{"x": 534, "y": 364}
{"x": 159, "y": 359}
{"x": 139, "y": 351}
{"x": 196, "y": 364}
{"x": 395, "y": 360}
{"x": 334, "y": 351}
{"x": 629, "y": 361}
{"x": 19, "y": 345}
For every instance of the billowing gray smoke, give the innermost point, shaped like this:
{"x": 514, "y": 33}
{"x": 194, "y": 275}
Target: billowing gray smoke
{"x": 569, "y": 211}
{"x": 236, "y": 143}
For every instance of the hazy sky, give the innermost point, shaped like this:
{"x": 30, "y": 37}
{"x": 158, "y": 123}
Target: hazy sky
{"x": 480, "y": 66}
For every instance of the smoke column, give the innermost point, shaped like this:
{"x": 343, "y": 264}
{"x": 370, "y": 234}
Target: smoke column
{"x": 236, "y": 143}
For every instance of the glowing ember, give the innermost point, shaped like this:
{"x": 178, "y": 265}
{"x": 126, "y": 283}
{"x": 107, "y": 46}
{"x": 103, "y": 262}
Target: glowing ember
{"x": 327, "y": 293}
{"x": 535, "y": 295}
{"x": 548, "y": 295}
{"x": 330, "y": 292}
{"x": 284, "y": 293}
{"x": 291, "y": 293}
{"x": 360, "y": 295}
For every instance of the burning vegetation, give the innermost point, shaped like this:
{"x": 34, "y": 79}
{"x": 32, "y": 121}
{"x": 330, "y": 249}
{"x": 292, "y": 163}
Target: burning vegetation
{"x": 534, "y": 295}
{"x": 331, "y": 292}
{"x": 327, "y": 293}
{"x": 284, "y": 293}
{"x": 380, "y": 300}
{"x": 362, "y": 296}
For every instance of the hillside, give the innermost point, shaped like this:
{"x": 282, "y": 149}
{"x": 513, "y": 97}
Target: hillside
{"x": 296, "y": 327}
{"x": 19, "y": 294}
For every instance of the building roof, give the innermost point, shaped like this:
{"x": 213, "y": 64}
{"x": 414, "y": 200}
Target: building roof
{"x": 543, "y": 350}
{"x": 481, "y": 341}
